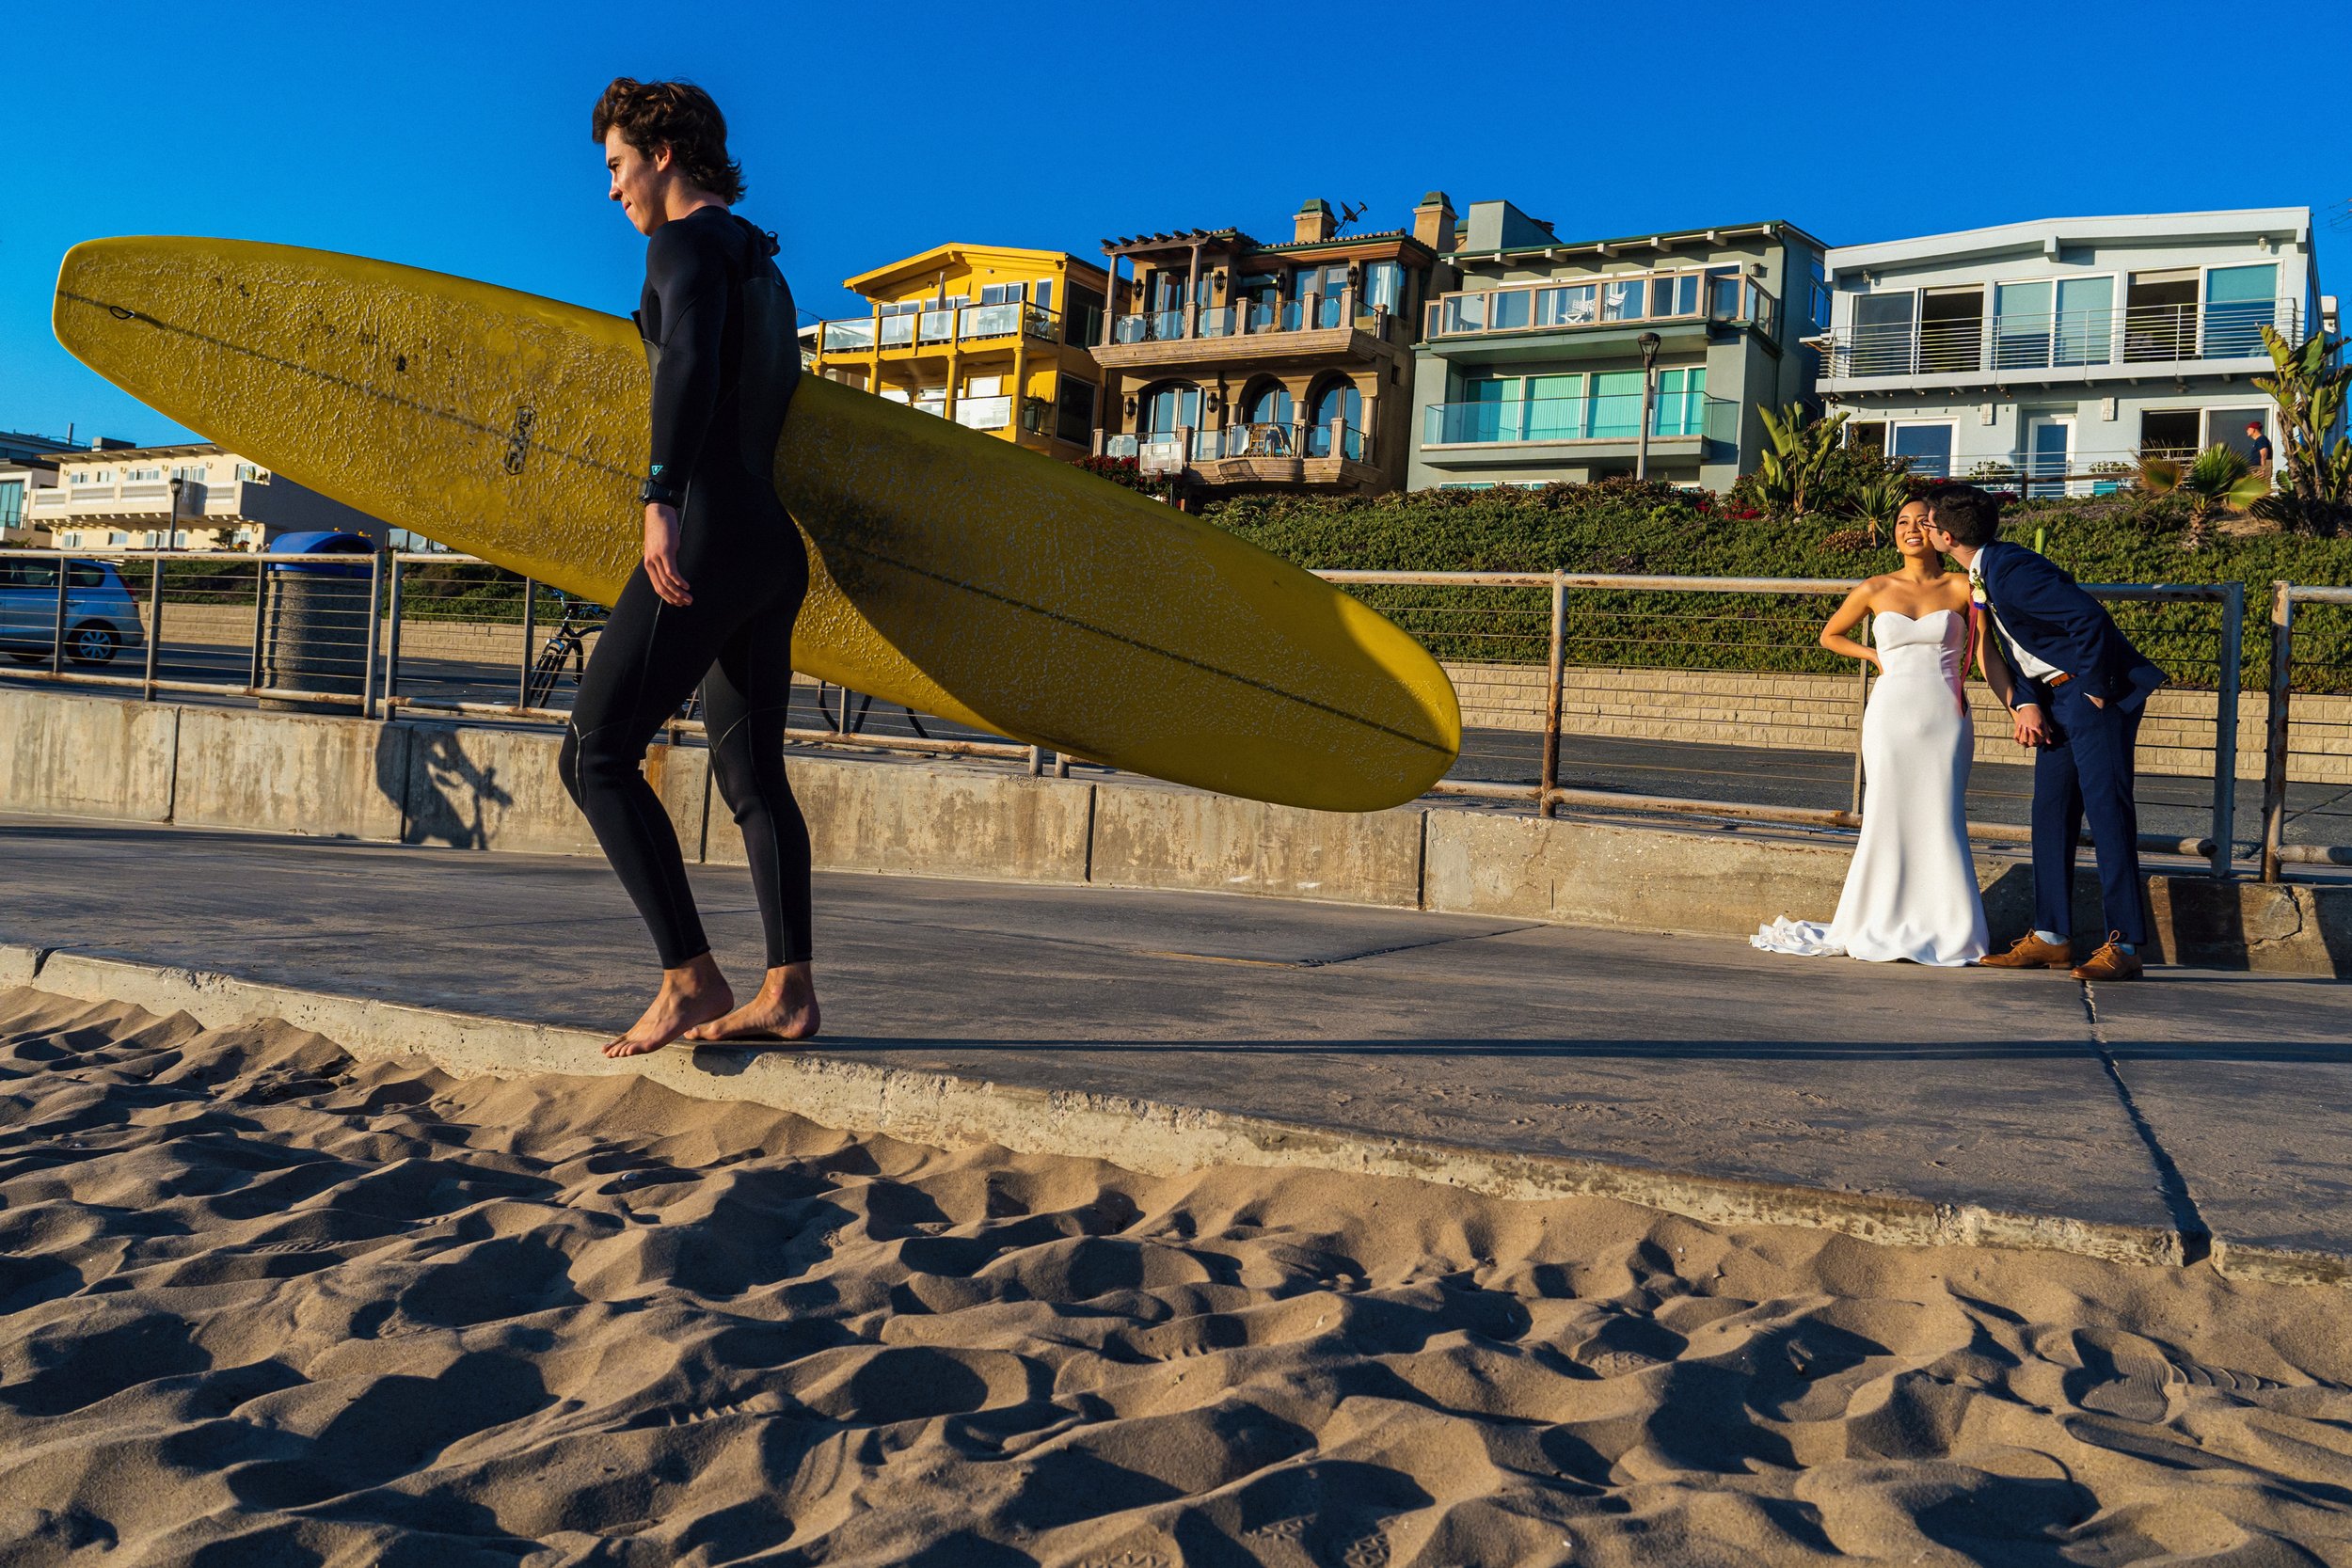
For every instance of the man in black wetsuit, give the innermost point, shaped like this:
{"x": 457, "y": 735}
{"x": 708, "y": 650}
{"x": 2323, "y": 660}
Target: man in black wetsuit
{"x": 723, "y": 574}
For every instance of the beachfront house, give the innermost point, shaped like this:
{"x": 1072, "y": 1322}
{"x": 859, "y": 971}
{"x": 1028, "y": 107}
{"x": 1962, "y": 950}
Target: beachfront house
{"x": 1576, "y": 360}
{"x": 1231, "y": 365}
{"x": 992, "y": 336}
{"x": 2058, "y": 351}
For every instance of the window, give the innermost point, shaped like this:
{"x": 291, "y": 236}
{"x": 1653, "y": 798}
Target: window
{"x": 1621, "y": 301}
{"x": 1616, "y": 412}
{"x": 1341, "y": 404}
{"x": 1571, "y": 306}
{"x": 2170, "y": 433}
{"x": 1866, "y": 434}
{"x": 1003, "y": 294}
{"x": 1951, "y": 329}
{"x": 1928, "y": 446}
{"x": 2238, "y": 308}
{"x": 1324, "y": 284}
{"x": 1681, "y": 405}
{"x": 900, "y": 307}
{"x": 1676, "y": 295}
{"x": 1554, "y": 408}
{"x": 2063, "y": 322}
{"x": 1082, "y": 324}
{"x": 1384, "y": 287}
{"x": 1167, "y": 407}
{"x": 1818, "y": 297}
{"x": 1074, "y": 410}
{"x": 1506, "y": 311}
{"x": 117, "y": 537}
{"x": 2227, "y": 427}
{"x": 11, "y": 502}
{"x": 194, "y": 472}
{"x": 137, "y": 476}
{"x": 1046, "y": 293}
{"x": 1881, "y": 334}
{"x": 249, "y": 472}
{"x": 983, "y": 386}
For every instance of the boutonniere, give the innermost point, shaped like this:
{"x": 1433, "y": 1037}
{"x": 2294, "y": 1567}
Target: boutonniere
{"x": 1975, "y": 591}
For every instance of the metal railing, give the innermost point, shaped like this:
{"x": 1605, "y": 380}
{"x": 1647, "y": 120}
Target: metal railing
{"x": 1712, "y": 697}
{"x": 1608, "y": 417}
{"x": 2307, "y": 730}
{"x": 259, "y": 624}
{"x": 2134, "y": 334}
{"x": 1626, "y": 694}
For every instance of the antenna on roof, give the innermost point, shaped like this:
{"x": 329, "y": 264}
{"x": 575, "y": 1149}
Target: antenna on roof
{"x": 1349, "y": 214}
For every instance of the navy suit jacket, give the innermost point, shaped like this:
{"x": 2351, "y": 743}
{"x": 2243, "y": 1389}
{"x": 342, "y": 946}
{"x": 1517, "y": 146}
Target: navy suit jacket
{"x": 2046, "y": 612}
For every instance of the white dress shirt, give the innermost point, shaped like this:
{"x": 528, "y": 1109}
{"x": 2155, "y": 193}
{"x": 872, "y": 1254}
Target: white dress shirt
{"x": 2027, "y": 666}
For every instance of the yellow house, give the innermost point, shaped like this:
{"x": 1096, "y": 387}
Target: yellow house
{"x": 991, "y": 337}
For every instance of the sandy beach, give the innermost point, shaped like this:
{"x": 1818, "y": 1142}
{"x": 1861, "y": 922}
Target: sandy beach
{"x": 262, "y": 1303}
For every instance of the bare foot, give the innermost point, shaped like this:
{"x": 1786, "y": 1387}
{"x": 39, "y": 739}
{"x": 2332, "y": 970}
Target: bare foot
{"x": 695, "y": 992}
{"x": 784, "y": 1009}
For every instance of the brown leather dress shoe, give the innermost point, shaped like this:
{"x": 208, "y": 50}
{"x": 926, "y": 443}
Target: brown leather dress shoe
{"x": 2109, "y": 963}
{"x": 2030, "y": 952}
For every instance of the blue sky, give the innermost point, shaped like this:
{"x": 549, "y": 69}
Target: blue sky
{"x": 456, "y": 137}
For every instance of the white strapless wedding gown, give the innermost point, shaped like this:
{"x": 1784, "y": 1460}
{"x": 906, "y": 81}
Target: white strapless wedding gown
{"x": 1911, "y": 890}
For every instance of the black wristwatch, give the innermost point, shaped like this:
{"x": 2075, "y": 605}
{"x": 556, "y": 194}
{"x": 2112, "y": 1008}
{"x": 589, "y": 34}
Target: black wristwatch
{"x": 654, "y": 490}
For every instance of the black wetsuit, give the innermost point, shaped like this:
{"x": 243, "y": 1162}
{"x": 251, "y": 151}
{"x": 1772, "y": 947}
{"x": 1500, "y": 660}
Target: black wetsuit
{"x": 745, "y": 567}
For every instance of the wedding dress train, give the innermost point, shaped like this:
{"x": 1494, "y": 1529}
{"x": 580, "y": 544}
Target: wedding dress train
{"x": 1910, "y": 891}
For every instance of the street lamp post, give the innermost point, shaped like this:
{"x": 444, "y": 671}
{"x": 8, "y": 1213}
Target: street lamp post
{"x": 1649, "y": 342}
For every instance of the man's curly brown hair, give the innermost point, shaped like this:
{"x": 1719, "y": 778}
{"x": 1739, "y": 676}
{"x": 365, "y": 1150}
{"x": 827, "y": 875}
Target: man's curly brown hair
{"x": 681, "y": 116}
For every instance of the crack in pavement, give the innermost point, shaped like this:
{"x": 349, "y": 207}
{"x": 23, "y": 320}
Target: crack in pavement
{"x": 2196, "y": 1237}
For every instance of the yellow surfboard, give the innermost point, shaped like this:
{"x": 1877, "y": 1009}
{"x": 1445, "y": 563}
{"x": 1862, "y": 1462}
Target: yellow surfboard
{"x": 949, "y": 571}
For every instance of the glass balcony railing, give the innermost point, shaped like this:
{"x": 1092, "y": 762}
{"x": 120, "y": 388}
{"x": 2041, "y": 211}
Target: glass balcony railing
{"x": 850, "y": 336}
{"x": 962, "y": 324}
{"x": 1610, "y": 417}
{"x": 1171, "y": 448}
{"x": 2135, "y": 335}
{"x": 1718, "y": 294}
{"x": 990, "y": 413}
{"x": 1245, "y": 317}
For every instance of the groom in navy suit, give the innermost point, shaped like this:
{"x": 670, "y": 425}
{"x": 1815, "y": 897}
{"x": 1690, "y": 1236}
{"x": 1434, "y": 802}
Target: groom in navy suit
{"x": 2080, "y": 690}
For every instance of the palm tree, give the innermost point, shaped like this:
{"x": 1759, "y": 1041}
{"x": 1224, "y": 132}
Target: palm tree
{"x": 1882, "y": 499}
{"x": 2216, "y": 479}
{"x": 1791, "y": 469}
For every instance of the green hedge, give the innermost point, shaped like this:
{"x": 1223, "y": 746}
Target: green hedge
{"x": 1618, "y": 526}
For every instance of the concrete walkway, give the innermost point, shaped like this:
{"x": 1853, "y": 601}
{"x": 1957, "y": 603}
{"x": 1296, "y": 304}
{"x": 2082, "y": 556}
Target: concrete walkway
{"x": 2197, "y": 1105}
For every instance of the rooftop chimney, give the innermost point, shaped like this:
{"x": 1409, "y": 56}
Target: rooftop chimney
{"x": 1313, "y": 222}
{"x": 1433, "y": 222}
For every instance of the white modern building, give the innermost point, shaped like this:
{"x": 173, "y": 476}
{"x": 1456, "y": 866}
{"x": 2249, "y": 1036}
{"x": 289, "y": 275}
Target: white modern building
{"x": 193, "y": 497}
{"x": 20, "y": 482}
{"x": 2063, "y": 350}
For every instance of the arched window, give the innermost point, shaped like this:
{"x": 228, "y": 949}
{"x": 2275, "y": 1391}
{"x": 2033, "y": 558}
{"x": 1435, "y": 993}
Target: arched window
{"x": 1167, "y": 407}
{"x": 1336, "y": 402}
{"x": 1266, "y": 410}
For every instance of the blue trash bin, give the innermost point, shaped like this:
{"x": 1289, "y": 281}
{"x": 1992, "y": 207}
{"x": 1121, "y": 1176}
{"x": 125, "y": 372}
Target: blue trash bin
{"x": 315, "y": 617}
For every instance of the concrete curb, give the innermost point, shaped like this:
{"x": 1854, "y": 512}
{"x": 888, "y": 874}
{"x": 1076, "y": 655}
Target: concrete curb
{"x": 1152, "y": 1137}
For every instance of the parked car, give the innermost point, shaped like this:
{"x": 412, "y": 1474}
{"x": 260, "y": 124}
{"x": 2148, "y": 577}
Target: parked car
{"x": 101, "y": 618}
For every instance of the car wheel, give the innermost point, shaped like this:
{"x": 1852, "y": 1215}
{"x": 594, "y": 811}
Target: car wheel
{"x": 23, "y": 657}
{"x": 91, "y": 643}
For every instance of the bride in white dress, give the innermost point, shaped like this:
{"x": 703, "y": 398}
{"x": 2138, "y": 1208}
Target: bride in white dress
{"x": 1910, "y": 891}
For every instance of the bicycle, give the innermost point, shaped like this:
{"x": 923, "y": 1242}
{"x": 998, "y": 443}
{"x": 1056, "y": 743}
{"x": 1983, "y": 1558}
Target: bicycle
{"x": 569, "y": 642}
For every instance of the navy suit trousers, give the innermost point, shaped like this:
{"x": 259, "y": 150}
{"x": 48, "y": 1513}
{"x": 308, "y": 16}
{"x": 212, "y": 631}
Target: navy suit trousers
{"x": 2088, "y": 777}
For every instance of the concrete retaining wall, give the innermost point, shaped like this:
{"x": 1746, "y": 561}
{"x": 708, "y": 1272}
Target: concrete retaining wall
{"x": 484, "y": 788}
